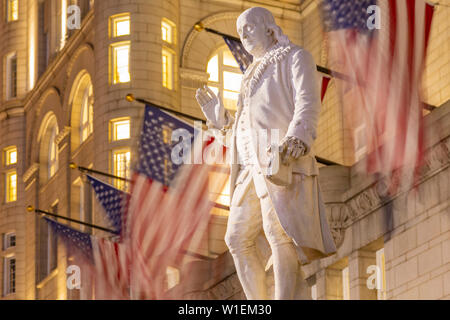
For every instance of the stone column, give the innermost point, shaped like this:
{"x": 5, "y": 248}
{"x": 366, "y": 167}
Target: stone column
{"x": 358, "y": 264}
{"x": 329, "y": 284}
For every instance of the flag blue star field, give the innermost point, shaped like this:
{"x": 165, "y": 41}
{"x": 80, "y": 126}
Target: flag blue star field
{"x": 113, "y": 201}
{"x": 156, "y": 146}
{"x": 347, "y": 14}
{"x": 73, "y": 239}
{"x": 243, "y": 58}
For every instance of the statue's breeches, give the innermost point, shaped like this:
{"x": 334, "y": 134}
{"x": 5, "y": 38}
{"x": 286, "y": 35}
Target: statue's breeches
{"x": 245, "y": 223}
{"x": 250, "y": 218}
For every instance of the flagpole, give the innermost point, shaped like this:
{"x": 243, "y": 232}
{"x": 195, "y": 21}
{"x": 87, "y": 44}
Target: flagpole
{"x": 84, "y": 169}
{"x": 130, "y": 98}
{"x": 39, "y": 211}
{"x": 42, "y": 212}
{"x": 199, "y": 27}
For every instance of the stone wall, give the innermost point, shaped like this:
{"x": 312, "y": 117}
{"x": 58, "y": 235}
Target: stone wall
{"x": 413, "y": 226}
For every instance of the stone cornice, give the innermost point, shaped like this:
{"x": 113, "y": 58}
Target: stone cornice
{"x": 63, "y": 134}
{"x": 196, "y": 75}
{"x": 30, "y": 171}
{"x": 370, "y": 199}
{"x": 223, "y": 290}
{"x": 11, "y": 112}
{"x": 366, "y": 193}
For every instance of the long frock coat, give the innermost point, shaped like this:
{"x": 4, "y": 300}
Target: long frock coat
{"x": 282, "y": 93}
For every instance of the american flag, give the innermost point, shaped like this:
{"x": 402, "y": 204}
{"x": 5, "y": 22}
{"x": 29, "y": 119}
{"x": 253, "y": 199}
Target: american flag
{"x": 113, "y": 201}
{"x": 104, "y": 260}
{"x": 386, "y": 66}
{"x": 170, "y": 201}
{"x": 111, "y": 256}
{"x": 74, "y": 239}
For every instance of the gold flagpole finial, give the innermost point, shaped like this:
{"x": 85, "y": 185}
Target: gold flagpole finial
{"x": 199, "y": 26}
{"x": 73, "y": 165}
{"x": 30, "y": 208}
{"x": 130, "y": 97}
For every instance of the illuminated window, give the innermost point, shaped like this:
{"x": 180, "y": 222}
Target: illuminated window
{"x": 167, "y": 31}
{"x": 87, "y": 114}
{"x": 9, "y": 285}
{"x": 167, "y": 69}
{"x": 78, "y": 201}
{"x": 10, "y": 156}
{"x": 219, "y": 189}
{"x": 11, "y": 76}
{"x": 345, "y": 284}
{"x": 225, "y": 76}
{"x": 120, "y": 25}
{"x": 63, "y": 24}
{"x": 173, "y": 277}
{"x": 120, "y": 129}
{"x": 121, "y": 166}
{"x": 12, "y": 10}
{"x": 11, "y": 186}
{"x": 53, "y": 153}
{"x": 121, "y": 59}
{"x": 381, "y": 278}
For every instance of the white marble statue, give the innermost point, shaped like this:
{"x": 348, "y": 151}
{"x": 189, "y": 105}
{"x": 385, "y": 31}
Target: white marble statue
{"x": 279, "y": 91}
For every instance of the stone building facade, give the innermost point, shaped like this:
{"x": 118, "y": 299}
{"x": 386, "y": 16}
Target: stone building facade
{"x": 63, "y": 100}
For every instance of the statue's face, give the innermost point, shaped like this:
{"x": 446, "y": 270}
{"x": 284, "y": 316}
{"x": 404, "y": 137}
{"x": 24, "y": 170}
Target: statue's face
{"x": 255, "y": 36}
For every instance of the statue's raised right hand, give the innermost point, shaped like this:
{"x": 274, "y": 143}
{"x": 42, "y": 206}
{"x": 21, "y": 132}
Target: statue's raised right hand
{"x": 211, "y": 105}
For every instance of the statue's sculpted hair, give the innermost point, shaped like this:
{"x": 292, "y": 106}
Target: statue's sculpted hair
{"x": 265, "y": 16}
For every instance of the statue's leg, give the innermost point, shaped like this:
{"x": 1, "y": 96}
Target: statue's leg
{"x": 284, "y": 255}
{"x": 244, "y": 225}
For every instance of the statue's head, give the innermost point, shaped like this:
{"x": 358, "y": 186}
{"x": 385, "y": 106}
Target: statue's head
{"x": 258, "y": 31}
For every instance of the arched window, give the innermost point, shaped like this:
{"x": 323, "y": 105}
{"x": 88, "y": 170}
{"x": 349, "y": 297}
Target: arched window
{"x": 52, "y": 152}
{"x": 225, "y": 76}
{"x": 48, "y": 147}
{"x": 87, "y": 114}
{"x": 81, "y": 100}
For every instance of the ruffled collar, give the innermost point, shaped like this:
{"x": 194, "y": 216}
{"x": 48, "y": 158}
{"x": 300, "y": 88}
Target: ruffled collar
{"x": 276, "y": 53}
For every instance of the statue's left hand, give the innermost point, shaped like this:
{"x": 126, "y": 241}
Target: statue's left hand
{"x": 292, "y": 147}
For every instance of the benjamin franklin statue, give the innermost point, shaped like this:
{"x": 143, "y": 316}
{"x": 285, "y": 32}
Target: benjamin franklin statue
{"x": 279, "y": 92}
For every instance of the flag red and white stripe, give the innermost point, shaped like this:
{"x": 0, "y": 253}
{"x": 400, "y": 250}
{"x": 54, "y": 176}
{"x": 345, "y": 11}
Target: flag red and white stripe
{"x": 324, "y": 85}
{"x": 388, "y": 71}
{"x": 396, "y": 108}
{"x": 162, "y": 222}
{"x": 110, "y": 271}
